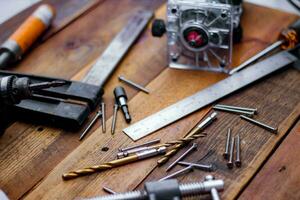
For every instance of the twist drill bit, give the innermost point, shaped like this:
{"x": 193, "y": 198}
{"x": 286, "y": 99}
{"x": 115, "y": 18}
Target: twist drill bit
{"x": 190, "y": 136}
{"x": 114, "y": 163}
{"x": 45, "y": 85}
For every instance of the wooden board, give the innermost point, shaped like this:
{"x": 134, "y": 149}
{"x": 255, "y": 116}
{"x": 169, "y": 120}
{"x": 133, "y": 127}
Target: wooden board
{"x": 279, "y": 177}
{"x": 33, "y": 160}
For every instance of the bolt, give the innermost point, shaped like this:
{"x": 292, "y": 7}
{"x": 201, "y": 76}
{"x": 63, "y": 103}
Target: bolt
{"x": 226, "y": 153}
{"x": 230, "y": 161}
{"x": 237, "y": 161}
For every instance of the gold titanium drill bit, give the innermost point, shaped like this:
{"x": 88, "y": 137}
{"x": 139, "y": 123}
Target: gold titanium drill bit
{"x": 189, "y": 136}
{"x": 115, "y": 163}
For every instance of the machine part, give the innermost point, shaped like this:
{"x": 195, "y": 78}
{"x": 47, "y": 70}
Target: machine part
{"x": 114, "y": 120}
{"x": 226, "y": 153}
{"x": 237, "y": 108}
{"x": 250, "y": 114}
{"x": 230, "y": 161}
{"x": 91, "y": 124}
{"x": 13, "y": 89}
{"x": 192, "y": 135}
{"x": 127, "y": 153}
{"x": 288, "y": 39}
{"x": 177, "y": 173}
{"x": 169, "y": 190}
{"x": 114, "y": 53}
{"x": 108, "y": 190}
{"x": 214, "y": 190}
{"x": 155, "y": 141}
{"x": 134, "y": 85}
{"x": 209, "y": 95}
{"x": 201, "y": 33}
{"x": 67, "y": 106}
{"x": 158, "y": 28}
{"x": 267, "y": 127}
{"x": 187, "y": 152}
{"x": 208, "y": 168}
{"x": 121, "y": 98}
{"x": 103, "y": 111}
{"x": 238, "y": 162}
{"x": 20, "y": 41}
{"x": 115, "y": 163}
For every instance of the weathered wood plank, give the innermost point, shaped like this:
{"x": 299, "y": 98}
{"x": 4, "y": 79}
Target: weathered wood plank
{"x": 169, "y": 87}
{"x": 45, "y": 155}
{"x": 279, "y": 177}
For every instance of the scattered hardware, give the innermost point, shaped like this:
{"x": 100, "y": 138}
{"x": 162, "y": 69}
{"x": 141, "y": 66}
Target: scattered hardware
{"x": 121, "y": 98}
{"x": 67, "y": 106}
{"x": 177, "y": 173}
{"x": 115, "y": 163}
{"x": 192, "y": 148}
{"x": 103, "y": 111}
{"x": 20, "y": 41}
{"x": 134, "y": 85}
{"x": 209, "y": 95}
{"x": 288, "y": 39}
{"x": 226, "y": 153}
{"x": 230, "y": 161}
{"x": 250, "y": 114}
{"x": 87, "y": 129}
{"x": 201, "y": 33}
{"x": 238, "y": 162}
{"x": 190, "y": 136}
{"x": 208, "y": 168}
{"x": 113, "y": 54}
{"x": 114, "y": 120}
{"x": 108, "y": 190}
{"x": 171, "y": 189}
{"x": 254, "y": 110}
{"x": 267, "y": 127}
{"x": 137, "y": 148}
{"x": 155, "y": 141}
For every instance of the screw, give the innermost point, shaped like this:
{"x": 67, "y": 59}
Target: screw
{"x": 267, "y": 127}
{"x": 198, "y": 166}
{"x": 134, "y": 85}
{"x": 192, "y": 148}
{"x": 237, "y": 161}
{"x": 237, "y": 108}
{"x": 230, "y": 161}
{"x": 234, "y": 111}
{"x": 226, "y": 153}
{"x": 184, "y": 170}
{"x": 103, "y": 117}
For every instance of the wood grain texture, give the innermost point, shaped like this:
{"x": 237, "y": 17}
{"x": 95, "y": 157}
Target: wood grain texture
{"x": 41, "y": 154}
{"x": 279, "y": 177}
{"x": 169, "y": 87}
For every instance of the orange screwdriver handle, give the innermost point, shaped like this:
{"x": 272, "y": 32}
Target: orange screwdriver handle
{"x": 291, "y": 36}
{"x": 33, "y": 27}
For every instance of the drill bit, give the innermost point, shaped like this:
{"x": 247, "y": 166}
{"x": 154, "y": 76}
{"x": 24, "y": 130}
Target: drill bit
{"x": 99, "y": 113}
{"x": 114, "y": 120}
{"x": 114, "y": 163}
{"x": 190, "y": 137}
{"x": 44, "y": 85}
{"x": 103, "y": 117}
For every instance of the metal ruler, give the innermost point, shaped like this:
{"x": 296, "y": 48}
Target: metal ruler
{"x": 114, "y": 53}
{"x": 209, "y": 95}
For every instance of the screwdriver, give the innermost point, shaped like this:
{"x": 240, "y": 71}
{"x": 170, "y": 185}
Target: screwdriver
{"x": 19, "y": 42}
{"x": 288, "y": 39}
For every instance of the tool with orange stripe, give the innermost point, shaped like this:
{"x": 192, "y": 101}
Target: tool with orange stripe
{"x": 20, "y": 41}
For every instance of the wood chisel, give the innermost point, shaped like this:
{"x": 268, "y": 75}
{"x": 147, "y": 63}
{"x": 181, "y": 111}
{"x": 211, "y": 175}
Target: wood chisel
{"x": 114, "y": 53}
{"x": 209, "y": 95}
{"x": 20, "y": 41}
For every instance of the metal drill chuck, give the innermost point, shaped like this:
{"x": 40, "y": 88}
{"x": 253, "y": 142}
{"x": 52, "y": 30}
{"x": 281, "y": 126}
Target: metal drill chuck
{"x": 170, "y": 190}
{"x": 121, "y": 98}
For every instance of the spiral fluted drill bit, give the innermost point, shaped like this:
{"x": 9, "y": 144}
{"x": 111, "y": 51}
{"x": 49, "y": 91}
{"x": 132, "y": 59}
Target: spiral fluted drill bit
{"x": 190, "y": 137}
{"x": 115, "y": 163}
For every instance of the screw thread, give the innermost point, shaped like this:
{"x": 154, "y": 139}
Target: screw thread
{"x": 191, "y": 189}
{"x": 134, "y": 195}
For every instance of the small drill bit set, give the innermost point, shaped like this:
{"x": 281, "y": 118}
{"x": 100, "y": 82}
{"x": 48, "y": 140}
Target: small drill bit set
{"x": 147, "y": 150}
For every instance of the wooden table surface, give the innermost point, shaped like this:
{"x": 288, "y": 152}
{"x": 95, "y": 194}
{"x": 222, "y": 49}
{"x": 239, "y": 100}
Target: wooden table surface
{"x": 33, "y": 157}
